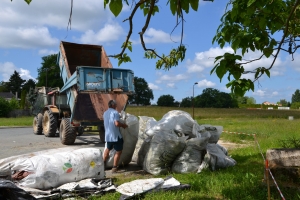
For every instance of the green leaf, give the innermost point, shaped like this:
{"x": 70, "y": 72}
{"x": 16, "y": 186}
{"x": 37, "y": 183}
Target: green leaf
{"x": 194, "y": 4}
{"x": 115, "y": 7}
{"x": 250, "y": 2}
{"x": 185, "y": 6}
{"x": 268, "y": 51}
{"x": 146, "y": 10}
{"x": 173, "y": 6}
{"x": 267, "y": 72}
{"x": 130, "y": 48}
{"x": 28, "y": 1}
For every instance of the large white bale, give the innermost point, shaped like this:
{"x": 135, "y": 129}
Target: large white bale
{"x": 50, "y": 171}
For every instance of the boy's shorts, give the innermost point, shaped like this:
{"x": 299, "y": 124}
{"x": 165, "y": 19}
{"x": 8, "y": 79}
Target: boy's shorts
{"x": 118, "y": 146}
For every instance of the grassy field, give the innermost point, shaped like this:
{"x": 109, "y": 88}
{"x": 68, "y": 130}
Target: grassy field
{"x": 243, "y": 181}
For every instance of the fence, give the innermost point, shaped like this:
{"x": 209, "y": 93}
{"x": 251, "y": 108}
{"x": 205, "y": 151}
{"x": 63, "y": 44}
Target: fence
{"x": 20, "y": 113}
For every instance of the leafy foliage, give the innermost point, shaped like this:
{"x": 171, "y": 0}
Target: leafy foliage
{"x": 29, "y": 84}
{"x": 253, "y": 26}
{"x": 247, "y": 25}
{"x": 4, "y": 107}
{"x": 49, "y": 72}
{"x": 186, "y": 102}
{"x": 15, "y": 83}
{"x": 143, "y": 94}
{"x": 166, "y": 100}
{"x": 213, "y": 98}
{"x": 296, "y": 96}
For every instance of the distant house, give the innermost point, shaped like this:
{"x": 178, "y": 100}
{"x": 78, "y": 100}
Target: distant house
{"x": 269, "y": 103}
{"x": 7, "y": 95}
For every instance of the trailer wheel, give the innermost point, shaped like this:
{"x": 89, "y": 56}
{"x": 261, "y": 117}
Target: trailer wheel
{"x": 37, "y": 124}
{"x": 67, "y": 133}
{"x": 79, "y": 130}
{"x": 101, "y": 133}
{"x": 49, "y": 124}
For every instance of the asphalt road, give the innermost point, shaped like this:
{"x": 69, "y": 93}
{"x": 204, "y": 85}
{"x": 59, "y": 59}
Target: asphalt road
{"x": 18, "y": 141}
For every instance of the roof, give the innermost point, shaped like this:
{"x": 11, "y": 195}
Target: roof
{"x": 7, "y": 95}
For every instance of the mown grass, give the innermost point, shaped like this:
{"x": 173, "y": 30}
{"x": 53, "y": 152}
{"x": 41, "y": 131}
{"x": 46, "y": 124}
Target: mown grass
{"x": 20, "y": 121}
{"x": 243, "y": 181}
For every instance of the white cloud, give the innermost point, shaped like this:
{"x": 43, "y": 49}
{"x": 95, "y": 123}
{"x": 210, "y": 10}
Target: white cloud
{"x": 47, "y": 52}
{"x": 206, "y": 83}
{"x": 275, "y": 93}
{"x": 7, "y": 69}
{"x": 26, "y": 37}
{"x": 158, "y": 36}
{"x": 259, "y": 93}
{"x": 171, "y": 85}
{"x": 25, "y": 74}
{"x": 153, "y": 86}
{"x": 110, "y": 32}
{"x": 194, "y": 68}
{"x": 178, "y": 77}
{"x": 55, "y": 13}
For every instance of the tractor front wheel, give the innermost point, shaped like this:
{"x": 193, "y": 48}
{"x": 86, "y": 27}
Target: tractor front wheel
{"x": 37, "y": 124}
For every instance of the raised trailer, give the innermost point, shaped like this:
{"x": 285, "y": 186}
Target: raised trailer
{"x": 89, "y": 83}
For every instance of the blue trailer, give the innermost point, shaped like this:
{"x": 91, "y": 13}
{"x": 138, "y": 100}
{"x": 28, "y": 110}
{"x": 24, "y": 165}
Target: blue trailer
{"x": 90, "y": 83}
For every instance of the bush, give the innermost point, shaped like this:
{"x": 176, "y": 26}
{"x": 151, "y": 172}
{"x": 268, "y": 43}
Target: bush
{"x": 5, "y": 107}
{"x": 14, "y": 104}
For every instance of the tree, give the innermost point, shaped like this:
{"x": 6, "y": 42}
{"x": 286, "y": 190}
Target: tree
{"x": 15, "y": 83}
{"x": 246, "y": 26}
{"x": 4, "y": 107}
{"x": 49, "y": 72}
{"x": 251, "y": 100}
{"x": 213, "y": 98}
{"x": 283, "y": 102}
{"x": 29, "y": 84}
{"x": 3, "y": 87}
{"x": 296, "y": 96}
{"x": 143, "y": 93}
{"x": 186, "y": 102}
{"x": 166, "y": 100}
{"x": 242, "y": 100}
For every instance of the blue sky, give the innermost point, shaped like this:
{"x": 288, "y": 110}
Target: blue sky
{"x": 29, "y": 32}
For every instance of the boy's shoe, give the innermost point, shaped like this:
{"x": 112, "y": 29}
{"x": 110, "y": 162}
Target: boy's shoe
{"x": 114, "y": 169}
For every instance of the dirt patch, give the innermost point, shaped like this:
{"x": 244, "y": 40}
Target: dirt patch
{"x": 230, "y": 145}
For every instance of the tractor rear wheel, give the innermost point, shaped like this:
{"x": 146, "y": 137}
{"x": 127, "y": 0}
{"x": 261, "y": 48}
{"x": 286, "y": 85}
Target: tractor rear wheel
{"x": 37, "y": 124}
{"x": 101, "y": 133}
{"x": 49, "y": 124}
{"x": 67, "y": 133}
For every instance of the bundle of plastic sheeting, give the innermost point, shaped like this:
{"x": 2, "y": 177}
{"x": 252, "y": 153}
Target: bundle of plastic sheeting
{"x": 190, "y": 158}
{"x": 130, "y": 137}
{"x": 8, "y": 190}
{"x": 204, "y": 129}
{"x": 134, "y": 188}
{"x": 50, "y": 171}
{"x": 179, "y": 121}
{"x": 144, "y": 124}
{"x": 216, "y": 158}
{"x": 164, "y": 148}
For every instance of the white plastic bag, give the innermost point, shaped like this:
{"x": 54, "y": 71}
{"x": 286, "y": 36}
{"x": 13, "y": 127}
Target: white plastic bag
{"x": 164, "y": 148}
{"x": 179, "y": 121}
{"x": 50, "y": 171}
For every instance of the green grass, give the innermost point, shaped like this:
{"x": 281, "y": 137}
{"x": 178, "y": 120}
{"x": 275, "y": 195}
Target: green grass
{"x": 20, "y": 121}
{"x": 243, "y": 181}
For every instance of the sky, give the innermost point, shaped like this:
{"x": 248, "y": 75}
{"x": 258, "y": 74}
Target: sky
{"x": 29, "y": 32}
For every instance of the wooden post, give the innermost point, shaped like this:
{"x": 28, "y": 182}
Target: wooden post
{"x": 267, "y": 177}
